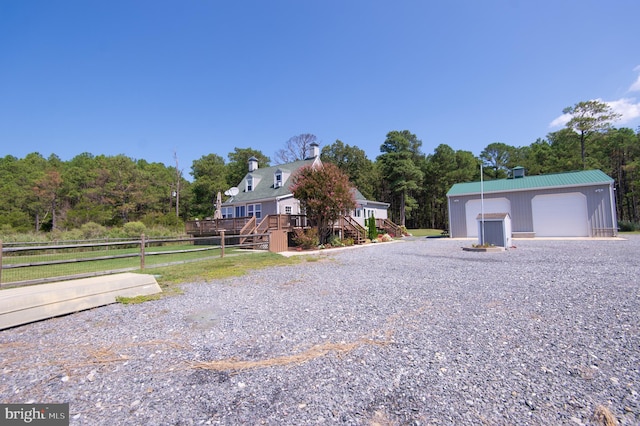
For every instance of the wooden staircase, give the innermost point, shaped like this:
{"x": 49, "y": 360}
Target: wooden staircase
{"x": 248, "y": 228}
{"x": 389, "y": 227}
{"x": 352, "y": 229}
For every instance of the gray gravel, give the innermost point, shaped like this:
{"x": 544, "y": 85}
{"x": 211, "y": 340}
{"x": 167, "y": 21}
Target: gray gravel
{"x": 414, "y": 332}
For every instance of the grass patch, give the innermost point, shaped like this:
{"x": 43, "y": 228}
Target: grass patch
{"x": 169, "y": 277}
{"x": 219, "y": 268}
{"x": 425, "y": 232}
{"x": 74, "y": 266}
{"x": 139, "y": 299}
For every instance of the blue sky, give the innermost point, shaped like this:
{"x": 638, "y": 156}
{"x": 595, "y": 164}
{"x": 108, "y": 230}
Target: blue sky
{"x": 150, "y": 78}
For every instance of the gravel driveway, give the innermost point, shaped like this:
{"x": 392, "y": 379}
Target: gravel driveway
{"x": 414, "y": 332}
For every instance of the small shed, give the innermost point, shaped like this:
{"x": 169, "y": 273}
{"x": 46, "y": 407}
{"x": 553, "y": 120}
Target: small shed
{"x": 494, "y": 229}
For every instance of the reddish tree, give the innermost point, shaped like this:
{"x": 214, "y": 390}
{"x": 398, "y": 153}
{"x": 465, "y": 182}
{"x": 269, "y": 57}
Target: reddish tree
{"x": 325, "y": 194}
{"x": 46, "y": 191}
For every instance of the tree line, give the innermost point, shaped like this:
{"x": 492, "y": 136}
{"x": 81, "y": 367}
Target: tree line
{"x": 48, "y": 194}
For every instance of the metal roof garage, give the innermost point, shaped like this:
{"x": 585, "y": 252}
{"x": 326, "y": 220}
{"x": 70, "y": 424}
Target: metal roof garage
{"x": 574, "y": 204}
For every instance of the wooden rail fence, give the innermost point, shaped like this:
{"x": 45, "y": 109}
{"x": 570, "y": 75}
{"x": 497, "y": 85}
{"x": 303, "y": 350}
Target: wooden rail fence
{"x": 36, "y": 264}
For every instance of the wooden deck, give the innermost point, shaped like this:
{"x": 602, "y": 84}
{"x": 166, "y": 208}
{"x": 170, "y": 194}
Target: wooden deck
{"x": 347, "y": 226}
{"x": 243, "y": 225}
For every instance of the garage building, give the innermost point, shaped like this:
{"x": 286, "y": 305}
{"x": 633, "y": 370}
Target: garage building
{"x": 574, "y": 204}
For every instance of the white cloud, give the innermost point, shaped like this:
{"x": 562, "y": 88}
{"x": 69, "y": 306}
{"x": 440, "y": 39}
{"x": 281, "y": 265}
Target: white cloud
{"x": 635, "y": 87}
{"x": 628, "y": 109}
{"x": 560, "y": 121}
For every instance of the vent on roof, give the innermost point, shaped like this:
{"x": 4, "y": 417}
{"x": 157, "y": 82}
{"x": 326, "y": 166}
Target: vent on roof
{"x": 253, "y": 164}
{"x": 517, "y": 172}
{"x": 313, "y": 151}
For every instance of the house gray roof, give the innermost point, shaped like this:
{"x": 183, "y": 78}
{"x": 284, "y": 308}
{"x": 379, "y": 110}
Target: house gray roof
{"x": 264, "y": 188}
{"x": 580, "y": 178}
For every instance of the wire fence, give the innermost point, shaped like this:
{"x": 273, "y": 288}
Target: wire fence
{"x": 26, "y": 264}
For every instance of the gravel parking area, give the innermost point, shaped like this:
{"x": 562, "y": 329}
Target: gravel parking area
{"x": 416, "y": 332}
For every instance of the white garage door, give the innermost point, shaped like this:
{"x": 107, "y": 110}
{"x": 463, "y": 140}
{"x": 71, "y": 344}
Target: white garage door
{"x": 560, "y": 215}
{"x": 474, "y": 207}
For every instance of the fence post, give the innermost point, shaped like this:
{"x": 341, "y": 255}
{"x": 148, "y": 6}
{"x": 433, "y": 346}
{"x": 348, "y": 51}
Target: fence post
{"x": 142, "y": 244}
{"x": 221, "y": 243}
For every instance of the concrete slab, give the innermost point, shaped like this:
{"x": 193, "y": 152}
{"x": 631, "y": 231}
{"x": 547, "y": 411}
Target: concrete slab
{"x": 22, "y": 305}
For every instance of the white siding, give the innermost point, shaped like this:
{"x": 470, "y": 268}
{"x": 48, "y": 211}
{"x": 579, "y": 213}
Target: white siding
{"x": 474, "y": 207}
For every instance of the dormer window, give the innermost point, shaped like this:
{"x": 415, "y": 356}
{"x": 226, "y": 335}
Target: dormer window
{"x": 280, "y": 177}
{"x": 249, "y": 183}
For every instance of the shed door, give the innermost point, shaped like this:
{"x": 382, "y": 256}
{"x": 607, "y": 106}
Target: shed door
{"x": 474, "y": 207}
{"x": 560, "y": 215}
{"x": 494, "y": 232}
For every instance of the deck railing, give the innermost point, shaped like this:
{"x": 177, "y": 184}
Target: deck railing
{"x": 214, "y": 226}
{"x": 243, "y": 224}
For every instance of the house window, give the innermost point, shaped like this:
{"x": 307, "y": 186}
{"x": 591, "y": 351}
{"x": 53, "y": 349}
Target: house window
{"x": 277, "y": 180}
{"x": 249, "y": 183}
{"x": 239, "y": 211}
{"x": 287, "y": 209}
{"x": 254, "y": 210}
{"x": 227, "y": 212}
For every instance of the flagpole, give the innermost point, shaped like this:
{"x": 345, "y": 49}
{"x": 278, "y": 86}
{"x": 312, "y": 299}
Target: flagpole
{"x": 481, "y": 206}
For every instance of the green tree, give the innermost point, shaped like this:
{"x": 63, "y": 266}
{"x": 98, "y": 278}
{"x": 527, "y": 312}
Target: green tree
{"x": 400, "y": 152}
{"x": 17, "y": 178}
{"x": 124, "y": 187}
{"x": 78, "y": 178}
{"x": 354, "y": 162}
{"x": 587, "y": 118}
{"x": 325, "y": 194}
{"x": 497, "y": 156}
{"x": 442, "y": 169}
{"x": 47, "y": 193}
{"x": 565, "y": 151}
{"x": 238, "y": 161}
{"x": 537, "y": 157}
{"x": 209, "y": 177}
{"x": 159, "y": 204}
{"x": 618, "y": 154}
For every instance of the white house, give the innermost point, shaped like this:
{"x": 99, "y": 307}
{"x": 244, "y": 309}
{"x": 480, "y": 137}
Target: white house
{"x": 265, "y": 191}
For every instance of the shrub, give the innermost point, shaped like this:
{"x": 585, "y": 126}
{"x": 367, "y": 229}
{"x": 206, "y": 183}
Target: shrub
{"x": 372, "y": 231}
{"x": 628, "y": 226}
{"x": 335, "y": 241}
{"x": 307, "y": 239}
{"x": 71, "y": 235}
{"x": 134, "y": 229}
{"x": 385, "y": 238}
{"x": 91, "y": 230}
